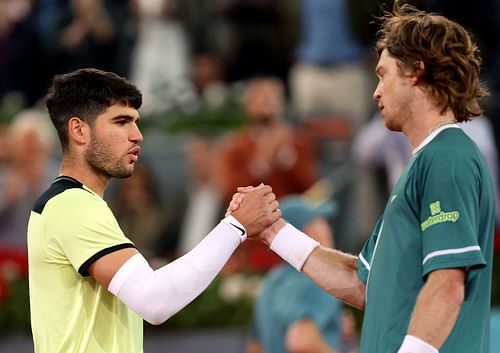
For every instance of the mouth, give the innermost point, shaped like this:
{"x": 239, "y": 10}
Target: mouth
{"x": 134, "y": 153}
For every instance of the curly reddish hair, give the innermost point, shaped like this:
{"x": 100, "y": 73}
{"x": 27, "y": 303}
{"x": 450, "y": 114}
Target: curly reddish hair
{"x": 450, "y": 57}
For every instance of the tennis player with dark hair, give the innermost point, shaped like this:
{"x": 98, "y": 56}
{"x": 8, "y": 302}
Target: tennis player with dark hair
{"x": 89, "y": 287}
{"x": 423, "y": 278}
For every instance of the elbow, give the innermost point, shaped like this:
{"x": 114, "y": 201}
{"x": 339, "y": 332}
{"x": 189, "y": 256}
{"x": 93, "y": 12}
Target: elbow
{"x": 156, "y": 320}
{"x": 156, "y": 317}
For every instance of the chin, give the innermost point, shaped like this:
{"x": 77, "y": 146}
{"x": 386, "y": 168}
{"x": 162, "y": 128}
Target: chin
{"x": 392, "y": 125}
{"x": 122, "y": 173}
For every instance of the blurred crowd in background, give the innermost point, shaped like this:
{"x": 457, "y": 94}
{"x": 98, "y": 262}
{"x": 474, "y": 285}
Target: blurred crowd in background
{"x": 297, "y": 76}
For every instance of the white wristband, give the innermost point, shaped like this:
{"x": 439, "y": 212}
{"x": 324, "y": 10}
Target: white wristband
{"x": 293, "y": 246}
{"x": 237, "y": 227}
{"x": 412, "y": 344}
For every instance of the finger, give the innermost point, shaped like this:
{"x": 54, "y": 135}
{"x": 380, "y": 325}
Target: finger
{"x": 264, "y": 189}
{"x": 237, "y": 199}
{"x": 245, "y": 188}
{"x": 234, "y": 204}
{"x": 237, "y": 202}
{"x": 274, "y": 205}
{"x": 275, "y": 215}
{"x": 270, "y": 197}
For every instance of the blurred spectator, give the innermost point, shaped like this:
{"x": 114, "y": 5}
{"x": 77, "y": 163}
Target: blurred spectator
{"x": 160, "y": 61}
{"x": 28, "y": 172}
{"x": 89, "y": 33}
{"x": 349, "y": 335}
{"x": 330, "y": 74}
{"x": 258, "y": 38}
{"x": 203, "y": 201}
{"x": 495, "y": 328}
{"x": 4, "y": 144}
{"x": 207, "y": 74}
{"x": 281, "y": 322}
{"x": 138, "y": 209}
{"x": 23, "y": 62}
{"x": 267, "y": 150}
{"x": 377, "y": 146}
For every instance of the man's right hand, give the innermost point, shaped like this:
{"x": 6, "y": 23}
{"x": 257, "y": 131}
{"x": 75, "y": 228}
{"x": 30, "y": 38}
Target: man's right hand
{"x": 257, "y": 210}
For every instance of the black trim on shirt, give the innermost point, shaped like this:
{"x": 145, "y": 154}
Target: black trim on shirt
{"x": 60, "y": 184}
{"x": 83, "y": 270}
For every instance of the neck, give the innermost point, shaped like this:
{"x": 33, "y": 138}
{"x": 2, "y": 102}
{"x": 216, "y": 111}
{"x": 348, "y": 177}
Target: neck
{"x": 425, "y": 123}
{"x": 84, "y": 174}
{"x": 440, "y": 124}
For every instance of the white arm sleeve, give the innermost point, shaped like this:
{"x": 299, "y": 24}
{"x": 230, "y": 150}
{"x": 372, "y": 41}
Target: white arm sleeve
{"x": 157, "y": 295}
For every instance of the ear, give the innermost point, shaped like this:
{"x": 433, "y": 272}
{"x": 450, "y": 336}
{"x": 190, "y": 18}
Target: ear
{"x": 415, "y": 78}
{"x": 78, "y": 130}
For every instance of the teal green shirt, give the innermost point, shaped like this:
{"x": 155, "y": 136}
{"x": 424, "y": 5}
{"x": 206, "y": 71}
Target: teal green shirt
{"x": 439, "y": 215}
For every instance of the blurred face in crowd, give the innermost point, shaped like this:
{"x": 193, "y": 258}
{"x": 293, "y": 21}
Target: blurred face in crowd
{"x": 263, "y": 101}
{"x": 114, "y": 144}
{"x": 199, "y": 159}
{"x": 25, "y": 146}
{"x": 28, "y": 140}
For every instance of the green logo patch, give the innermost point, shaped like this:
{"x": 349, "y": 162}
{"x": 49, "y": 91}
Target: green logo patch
{"x": 438, "y": 216}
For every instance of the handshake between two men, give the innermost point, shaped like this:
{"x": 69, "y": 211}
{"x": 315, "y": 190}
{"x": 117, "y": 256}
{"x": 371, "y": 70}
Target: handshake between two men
{"x": 257, "y": 210}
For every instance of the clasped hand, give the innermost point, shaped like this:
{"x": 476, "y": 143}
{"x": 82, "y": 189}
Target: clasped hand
{"x": 256, "y": 208}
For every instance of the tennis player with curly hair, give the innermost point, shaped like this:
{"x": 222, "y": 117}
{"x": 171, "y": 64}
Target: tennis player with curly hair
{"x": 423, "y": 277}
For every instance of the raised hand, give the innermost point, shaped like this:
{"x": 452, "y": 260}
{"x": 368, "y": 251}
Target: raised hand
{"x": 267, "y": 234}
{"x": 237, "y": 199}
{"x": 257, "y": 210}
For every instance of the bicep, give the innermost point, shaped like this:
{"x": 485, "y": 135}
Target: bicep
{"x": 104, "y": 268}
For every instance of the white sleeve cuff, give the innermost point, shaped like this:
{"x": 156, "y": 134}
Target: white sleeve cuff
{"x": 293, "y": 246}
{"x": 237, "y": 227}
{"x": 412, "y": 344}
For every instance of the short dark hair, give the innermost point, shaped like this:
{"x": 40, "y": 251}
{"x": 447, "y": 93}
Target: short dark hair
{"x": 86, "y": 93}
{"x": 449, "y": 54}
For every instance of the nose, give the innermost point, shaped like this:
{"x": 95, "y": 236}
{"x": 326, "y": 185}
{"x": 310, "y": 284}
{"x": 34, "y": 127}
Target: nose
{"x": 136, "y": 135}
{"x": 376, "y": 93}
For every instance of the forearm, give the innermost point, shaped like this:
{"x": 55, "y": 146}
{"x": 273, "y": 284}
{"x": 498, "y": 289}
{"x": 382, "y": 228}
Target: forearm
{"x": 157, "y": 295}
{"x": 437, "y": 307}
{"x": 336, "y": 272}
{"x": 333, "y": 270}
